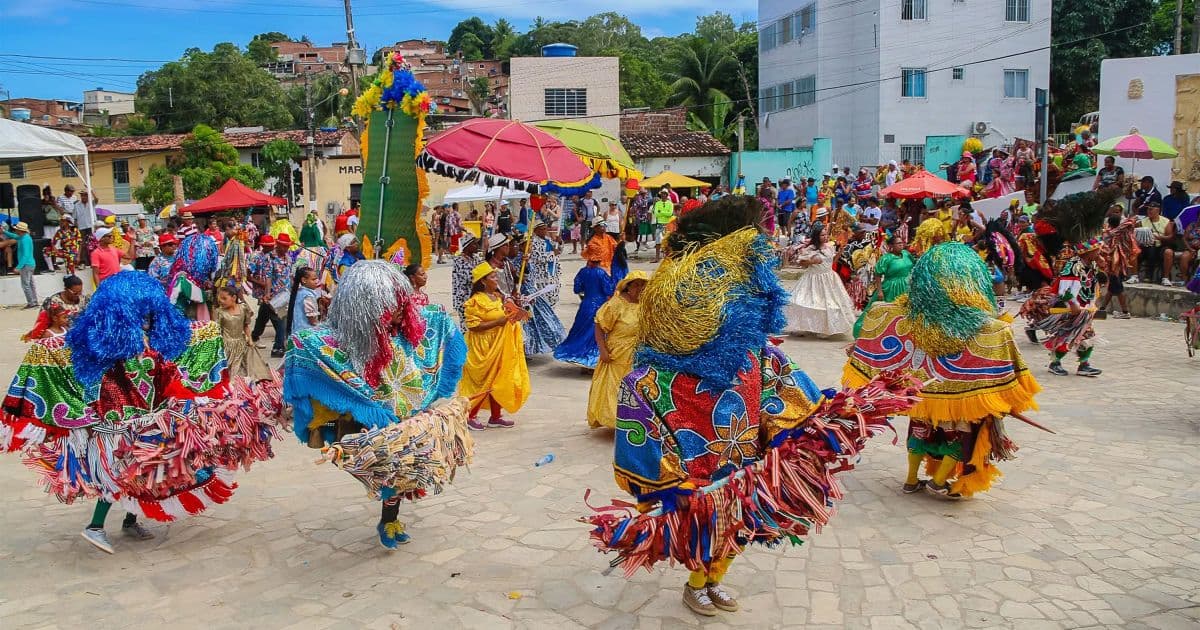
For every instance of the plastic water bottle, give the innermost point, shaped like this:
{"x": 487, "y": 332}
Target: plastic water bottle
{"x": 546, "y": 459}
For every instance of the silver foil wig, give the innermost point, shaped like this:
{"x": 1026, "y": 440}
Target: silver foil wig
{"x": 369, "y": 290}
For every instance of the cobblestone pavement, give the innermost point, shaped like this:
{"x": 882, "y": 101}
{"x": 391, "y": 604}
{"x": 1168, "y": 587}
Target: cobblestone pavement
{"x": 1096, "y": 526}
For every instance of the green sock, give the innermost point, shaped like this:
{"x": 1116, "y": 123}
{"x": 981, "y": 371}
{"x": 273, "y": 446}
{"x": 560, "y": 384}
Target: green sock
{"x": 101, "y": 513}
{"x": 1058, "y": 355}
{"x": 1084, "y": 355}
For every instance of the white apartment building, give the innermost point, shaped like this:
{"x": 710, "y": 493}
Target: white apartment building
{"x": 879, "y": 77}
{"x": 111, "y": 102}
{"x": 587, "y": 89}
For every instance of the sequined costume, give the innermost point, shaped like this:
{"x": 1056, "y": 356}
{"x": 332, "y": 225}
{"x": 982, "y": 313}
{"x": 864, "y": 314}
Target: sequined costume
{"x": 593, "y": 286}
{"x": 151, "y": 419}
{"x": 722, "y": 440}
{"x": 543, "y": 331}
{"x": 945, "y": 332}
{"x": 376, "y": 384}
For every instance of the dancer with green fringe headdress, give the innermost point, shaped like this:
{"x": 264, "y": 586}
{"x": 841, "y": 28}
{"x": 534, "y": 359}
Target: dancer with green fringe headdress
{"x": 945, "y": 332}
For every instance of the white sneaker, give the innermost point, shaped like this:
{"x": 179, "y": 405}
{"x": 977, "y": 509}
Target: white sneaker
{"x": 1120, "y": 315}
{"x": 98, "y": 538}
{"x": 1166, "y": 282}
{"x": 1132, "y": 279}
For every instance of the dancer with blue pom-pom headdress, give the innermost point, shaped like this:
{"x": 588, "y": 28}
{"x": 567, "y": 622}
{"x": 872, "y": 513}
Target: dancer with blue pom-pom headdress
{"x": 374, "y": 388}
{"x": 721, "y": 438}
{"x": 135, "y": 405}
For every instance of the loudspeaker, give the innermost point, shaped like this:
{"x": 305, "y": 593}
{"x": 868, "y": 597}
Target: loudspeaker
{"x": 28, "y": 191}
{"x": 7, "y": 198}
{"x": 30, "y": 211}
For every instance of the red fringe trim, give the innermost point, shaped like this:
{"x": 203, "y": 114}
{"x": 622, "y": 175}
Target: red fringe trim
{"x": 787, "y": 494}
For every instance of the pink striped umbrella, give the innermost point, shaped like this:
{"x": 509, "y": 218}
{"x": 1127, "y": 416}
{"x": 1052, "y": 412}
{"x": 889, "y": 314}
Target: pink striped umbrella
{"x": 1138, "y": 147}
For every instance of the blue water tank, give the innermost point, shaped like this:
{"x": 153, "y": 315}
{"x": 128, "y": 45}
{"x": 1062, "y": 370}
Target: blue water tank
{"x": 21, "y": 113}
{"x": 559, "y": 50}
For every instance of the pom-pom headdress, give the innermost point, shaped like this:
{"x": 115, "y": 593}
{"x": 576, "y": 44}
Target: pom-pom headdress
{"x": 126, "y": 309}
{"x": 1079, "y": 217}
{"x": 372, "y": 303}
{"x": 716, "y": 297}
{"x": 197, "y": 258}
{"x": 949, "y": 298}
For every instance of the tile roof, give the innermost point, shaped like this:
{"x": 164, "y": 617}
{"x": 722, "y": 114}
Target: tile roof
{"x": 171, "y": 141}
{"x": 678, "y": 144}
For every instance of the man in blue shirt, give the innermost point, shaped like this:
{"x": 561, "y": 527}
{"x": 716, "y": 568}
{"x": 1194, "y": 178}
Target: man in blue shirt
{"x": 810, "y": 193}
{"x": 20, "y": 239}
{"x": 1176, "y": 200}
{"x": 785, "y": 200}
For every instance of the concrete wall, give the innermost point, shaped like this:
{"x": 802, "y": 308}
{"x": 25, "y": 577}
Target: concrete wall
{"x": 941, "y": 150}
{"x": 531, "y": 76}
{"x": 714, "y": 166}
{"x": 43, "y": 172}
{"x": 804, "y": 162}
{"x": 1154, "y": 113}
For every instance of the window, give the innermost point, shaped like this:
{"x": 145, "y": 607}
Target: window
{"x": 1016, "y": 84}
{"x": 912, "y": 82}
{"x": 566, "y": 101}
{"x": 766, "y": 38}
{"x": 783, "y": 30}
{"x": 16, "y": 170}
{"x": 912, "y": 9}
{"x": 807, "y": 19}
{"x": 255, "y": 159}
{"x": 787, "y": 95}
{"x": 1016, "y": 10}
{"x": 66, "y": 169}
{"x": 769, "y": 101}
{"x": 914, "y": 153}
{"x": 107, "y": 99}
{"x": 957, "y": 73}
{"x": 806, "y": 90}
{"x": 121, "y": 192}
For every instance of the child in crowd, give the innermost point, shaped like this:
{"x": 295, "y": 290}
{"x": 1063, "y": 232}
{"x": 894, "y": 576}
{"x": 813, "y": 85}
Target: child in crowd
{"x": 304, "y": 307}
{"x": 417, "y": 277}
{"x": 234, "y": 319}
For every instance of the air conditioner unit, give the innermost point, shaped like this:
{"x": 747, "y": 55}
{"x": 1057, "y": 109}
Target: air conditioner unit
{"x": 981, "y": 128}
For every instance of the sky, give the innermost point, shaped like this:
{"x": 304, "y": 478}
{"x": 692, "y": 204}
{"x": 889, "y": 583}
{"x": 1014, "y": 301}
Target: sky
{"x": 138, "y": 35}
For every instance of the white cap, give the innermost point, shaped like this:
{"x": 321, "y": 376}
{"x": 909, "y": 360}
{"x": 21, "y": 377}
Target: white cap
{"x": 102, "y": 232}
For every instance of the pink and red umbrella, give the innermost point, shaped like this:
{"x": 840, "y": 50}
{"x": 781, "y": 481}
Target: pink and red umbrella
{"x": 508, "y": 154}
{"x": 921, "y": 185}
{"x": 1136, "y": 146}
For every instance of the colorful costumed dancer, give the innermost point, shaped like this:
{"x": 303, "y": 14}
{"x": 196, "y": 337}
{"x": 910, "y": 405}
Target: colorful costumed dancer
{"x": 368, "y": 381}
{"x": 721, "y": 439}
{"x": 1069, "y": 323}
{"x": 593, "y": 286}
{"x": 945, "y": 332}
{"x": 617, "y": 325}
{"x": 191, "y": 279}
{"x": 543, "y": 279}
{"x": 819, "y": 302}
{"x": 282, "y": 224}
{"x": 135, "y": 405}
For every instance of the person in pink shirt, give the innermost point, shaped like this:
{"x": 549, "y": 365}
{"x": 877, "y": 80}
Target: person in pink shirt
{"x": 106, "y": 259}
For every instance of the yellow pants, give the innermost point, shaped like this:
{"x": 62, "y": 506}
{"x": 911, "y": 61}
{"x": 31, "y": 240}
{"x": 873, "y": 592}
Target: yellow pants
{"x": 700, "y": 579}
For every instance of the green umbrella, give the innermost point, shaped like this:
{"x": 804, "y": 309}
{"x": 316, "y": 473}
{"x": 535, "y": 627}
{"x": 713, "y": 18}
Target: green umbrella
{"x": 601, "y": 150}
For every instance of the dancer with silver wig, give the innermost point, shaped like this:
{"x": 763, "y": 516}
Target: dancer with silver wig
{"x": 374, "y": 388}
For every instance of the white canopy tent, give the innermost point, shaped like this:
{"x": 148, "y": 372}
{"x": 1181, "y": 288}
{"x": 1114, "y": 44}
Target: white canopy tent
{"x": 22, "y": 142}
{"x": 479, "y": 192}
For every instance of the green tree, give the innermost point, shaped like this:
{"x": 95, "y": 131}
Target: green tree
{"x": 276, "y": 159}
{"x": 642, "y": 82}
{"x": 478, "y": 93}
{"x": 701, "y": 67}
{"x": 717, "y": 28}
{"x": 259, "y": 49}
{"x": 504, "y": 38}
{"x": 327, "y": 100}
{"x": 207, "y": 162}
{"x": 1163, "y": 27}
{"x": 139, "y": 125}
{"x": 223, "y": 88}
{"x": 473, "y": 38}
{"x": 1075, "y": 67}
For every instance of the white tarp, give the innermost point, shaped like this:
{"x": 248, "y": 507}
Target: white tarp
{"x": 25, "y": 141}
{"x": 479, "y": 192}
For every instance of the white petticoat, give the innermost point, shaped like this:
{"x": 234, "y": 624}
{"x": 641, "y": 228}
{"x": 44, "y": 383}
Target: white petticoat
{"x": 820, "y": 303}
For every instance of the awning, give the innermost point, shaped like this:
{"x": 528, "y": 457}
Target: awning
{"x": 24, "y": 141}
{"x": 234, "y": 195}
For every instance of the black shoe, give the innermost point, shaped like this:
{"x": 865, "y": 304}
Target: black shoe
{"x": 1087, "y": 370}
{"x": 277, "y": 354}
{"x": 1032, "y": 334}
{"x": 1056, "y": 369}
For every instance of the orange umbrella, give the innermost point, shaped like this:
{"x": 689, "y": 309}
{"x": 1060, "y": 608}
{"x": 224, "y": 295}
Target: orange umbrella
{"x": 923, "y": 184}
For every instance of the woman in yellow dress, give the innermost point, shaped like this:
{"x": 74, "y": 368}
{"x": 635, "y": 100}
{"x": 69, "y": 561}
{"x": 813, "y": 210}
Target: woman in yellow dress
{"x": 495, "y": 373}
{"x": 617, "y": 335}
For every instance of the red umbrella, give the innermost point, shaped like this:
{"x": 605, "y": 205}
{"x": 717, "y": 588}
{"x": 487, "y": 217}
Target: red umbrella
{"x": 923, "y": 184}
{"x": 508, "y": 154}
{"x": 233, "y": 195}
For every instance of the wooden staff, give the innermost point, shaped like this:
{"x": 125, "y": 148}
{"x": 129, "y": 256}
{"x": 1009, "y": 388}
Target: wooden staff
{"x": 1031, "y": 423}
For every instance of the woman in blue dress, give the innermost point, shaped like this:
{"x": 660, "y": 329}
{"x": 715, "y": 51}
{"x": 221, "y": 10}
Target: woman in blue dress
{"x": 594, "y": 286}
{"x": 543, "y": 331}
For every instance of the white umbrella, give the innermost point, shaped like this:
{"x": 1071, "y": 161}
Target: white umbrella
{"x": 479, "y": 192}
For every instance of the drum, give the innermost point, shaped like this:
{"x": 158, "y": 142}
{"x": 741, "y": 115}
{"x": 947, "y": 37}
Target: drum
{"x": 1144, "y": 236}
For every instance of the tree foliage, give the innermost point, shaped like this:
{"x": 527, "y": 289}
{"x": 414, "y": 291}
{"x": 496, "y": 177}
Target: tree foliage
{"x": 223, "y": 88}
{"x": 259, "y": 49}
{"x": 207, "y": 162}
{"x": 473, "y": 38}
{"x": 276, "y": 159}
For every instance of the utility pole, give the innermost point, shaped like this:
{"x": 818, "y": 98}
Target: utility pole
{"x": 1178, "y": 50}
{"x": 355, "y": 56}
{"x": 741, "y": 147}
{"x": 312, "y": 146}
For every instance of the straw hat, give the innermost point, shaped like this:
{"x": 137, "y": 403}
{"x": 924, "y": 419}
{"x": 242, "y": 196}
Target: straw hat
{"x": 21, "y": 227}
